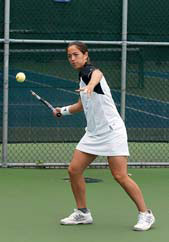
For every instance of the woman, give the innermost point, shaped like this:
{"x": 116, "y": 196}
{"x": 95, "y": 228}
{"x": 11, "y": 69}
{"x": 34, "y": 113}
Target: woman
{"x": 105, "y": 135}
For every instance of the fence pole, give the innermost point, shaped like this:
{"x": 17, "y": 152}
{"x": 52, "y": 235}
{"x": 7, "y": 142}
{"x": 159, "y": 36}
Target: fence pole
{"x": 124, "y": 58}
{"x": 5, "y": 85}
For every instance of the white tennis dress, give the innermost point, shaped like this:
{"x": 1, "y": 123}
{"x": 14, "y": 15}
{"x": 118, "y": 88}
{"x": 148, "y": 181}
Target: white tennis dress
{"x": 105, "y": 132}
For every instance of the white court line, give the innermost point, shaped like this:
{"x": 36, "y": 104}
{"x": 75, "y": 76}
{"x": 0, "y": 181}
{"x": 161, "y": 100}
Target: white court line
{"x": 134, "y": 109}
{"x": 152, "y": 99}
{"x": 148, "y": 113}
{"x": 46, "y": 85}
{"x": 61, "y": 89}
{"x": 51, "y": 76}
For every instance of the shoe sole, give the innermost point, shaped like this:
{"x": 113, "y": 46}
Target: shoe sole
{"x": 62, "y": 223}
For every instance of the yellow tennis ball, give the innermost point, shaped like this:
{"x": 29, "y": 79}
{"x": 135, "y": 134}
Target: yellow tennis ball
{"x": 20, "y": 77}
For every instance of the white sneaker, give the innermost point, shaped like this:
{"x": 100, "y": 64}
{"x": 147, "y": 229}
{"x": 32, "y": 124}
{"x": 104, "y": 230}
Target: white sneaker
{"x": 145, "y": 221}
{"x": 78, "y": 217}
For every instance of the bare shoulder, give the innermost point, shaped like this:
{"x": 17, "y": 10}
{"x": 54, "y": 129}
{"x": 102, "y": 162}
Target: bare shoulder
{"x": 97, "y": 72}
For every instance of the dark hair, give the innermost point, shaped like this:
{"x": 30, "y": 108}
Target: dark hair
{"x": 80, "y": 46}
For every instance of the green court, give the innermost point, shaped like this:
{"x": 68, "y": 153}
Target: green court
{"x": 34, "y": 200}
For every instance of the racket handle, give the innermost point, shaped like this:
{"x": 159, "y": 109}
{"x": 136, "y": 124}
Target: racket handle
{"x": 58, "y": 115}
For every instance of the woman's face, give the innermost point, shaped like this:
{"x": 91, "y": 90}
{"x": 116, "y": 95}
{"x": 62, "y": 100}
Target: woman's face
{"x": 76, "y": 58}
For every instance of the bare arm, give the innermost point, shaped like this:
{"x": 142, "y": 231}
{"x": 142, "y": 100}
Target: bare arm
{"x": 73, "y": 108}
{"x": 95, "y": 79}
{"x": 77, "y": 107}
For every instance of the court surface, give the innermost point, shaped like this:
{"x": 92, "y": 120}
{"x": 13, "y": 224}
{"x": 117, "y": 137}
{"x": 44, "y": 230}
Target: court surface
{"x": 34, "y": 200}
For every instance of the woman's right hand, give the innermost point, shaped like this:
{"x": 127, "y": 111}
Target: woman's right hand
{"x": 57, "y": 112}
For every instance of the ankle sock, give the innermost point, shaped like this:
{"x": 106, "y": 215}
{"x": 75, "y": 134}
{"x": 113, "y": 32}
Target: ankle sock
{"x": 83, "y": 210}
{"x": 144, "y": 212}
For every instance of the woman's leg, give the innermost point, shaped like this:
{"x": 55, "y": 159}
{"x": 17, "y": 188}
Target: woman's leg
{"x": 118, "y": 167}
{"x": 79, "y": 162}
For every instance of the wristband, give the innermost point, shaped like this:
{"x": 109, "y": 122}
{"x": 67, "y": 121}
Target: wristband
{"x": 65, "y": 110}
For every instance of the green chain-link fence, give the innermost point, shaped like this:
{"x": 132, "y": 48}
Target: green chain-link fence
{"x": 77, "y": 19}
{"x": 147, "y": 20}
{"x": 34, "y": 135}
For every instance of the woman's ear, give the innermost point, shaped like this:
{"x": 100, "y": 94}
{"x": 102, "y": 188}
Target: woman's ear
{"x": 86, "y": 56}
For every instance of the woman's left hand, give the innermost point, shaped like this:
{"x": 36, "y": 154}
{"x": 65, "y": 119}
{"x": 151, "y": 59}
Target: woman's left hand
{"x": 88, "y": 90}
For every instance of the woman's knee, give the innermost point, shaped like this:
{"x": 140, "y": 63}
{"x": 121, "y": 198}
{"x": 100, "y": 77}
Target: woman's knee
{"x": 73, "y": 170}
{"x": 120, "y": 177}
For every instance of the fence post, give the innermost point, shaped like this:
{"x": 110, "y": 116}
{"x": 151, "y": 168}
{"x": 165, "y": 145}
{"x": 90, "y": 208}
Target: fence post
{"x": 5, "y": 85}
{"x": 124, "y": 58}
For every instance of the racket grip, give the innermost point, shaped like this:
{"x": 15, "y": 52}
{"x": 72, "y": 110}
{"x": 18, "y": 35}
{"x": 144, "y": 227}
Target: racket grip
{"x": 58, "y": 115}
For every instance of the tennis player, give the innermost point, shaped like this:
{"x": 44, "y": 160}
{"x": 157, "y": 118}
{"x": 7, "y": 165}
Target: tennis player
{"x": 105, "y": 136}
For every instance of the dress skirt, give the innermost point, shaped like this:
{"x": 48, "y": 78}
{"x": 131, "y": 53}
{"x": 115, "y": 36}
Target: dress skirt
{"x": 111, "y": 143}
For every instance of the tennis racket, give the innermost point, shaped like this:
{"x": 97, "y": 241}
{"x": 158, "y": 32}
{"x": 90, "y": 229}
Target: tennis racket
{"x": 46, "y": 103}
